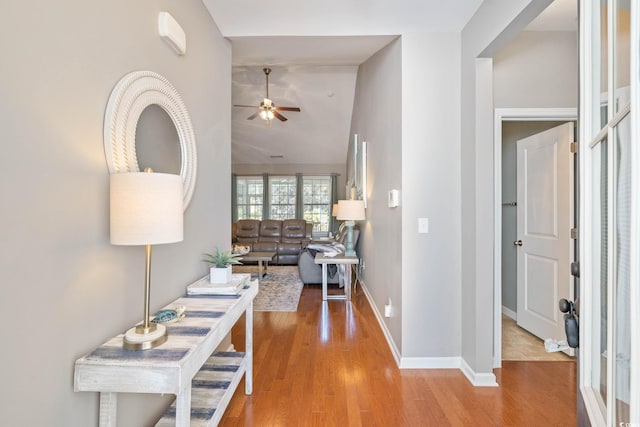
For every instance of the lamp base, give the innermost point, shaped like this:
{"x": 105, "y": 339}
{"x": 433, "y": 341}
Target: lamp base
{"x": 141, "y": 338}
{"x": 349, "y": 249}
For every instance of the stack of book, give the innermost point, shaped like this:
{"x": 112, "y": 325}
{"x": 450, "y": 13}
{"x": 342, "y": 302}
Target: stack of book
{"x": 233, "y": 287}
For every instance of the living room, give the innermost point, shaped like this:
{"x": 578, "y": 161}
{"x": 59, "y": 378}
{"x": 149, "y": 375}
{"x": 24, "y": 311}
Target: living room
{"x": 414, "y": 102}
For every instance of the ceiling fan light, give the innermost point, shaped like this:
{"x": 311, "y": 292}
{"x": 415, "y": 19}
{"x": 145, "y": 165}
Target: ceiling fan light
{"x": 270, "y": 115}
{"x": 264, "y": 114}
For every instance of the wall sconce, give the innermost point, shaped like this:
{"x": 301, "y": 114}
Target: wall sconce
{"x": 146, "y": 209}
{"x": 350, "y": 211}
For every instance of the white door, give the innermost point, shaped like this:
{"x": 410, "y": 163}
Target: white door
{"x": 544, "y": 221}
{"x": 609, "y": 227}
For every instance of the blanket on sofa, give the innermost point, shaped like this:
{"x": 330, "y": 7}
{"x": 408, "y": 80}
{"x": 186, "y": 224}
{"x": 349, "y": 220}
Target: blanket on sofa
{"x": 326, "y": 247}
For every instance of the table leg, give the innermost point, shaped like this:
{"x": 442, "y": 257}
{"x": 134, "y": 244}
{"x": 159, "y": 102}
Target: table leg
{"x": 354, "y": 267}
{"x": 347, "y": 281}
{"x": 183, "y": 407}
{"x": 108, "y": 409}
{"x": 248, "y": 375}
{"x": 324, "y": 281}
{"x": 260, "y": 275}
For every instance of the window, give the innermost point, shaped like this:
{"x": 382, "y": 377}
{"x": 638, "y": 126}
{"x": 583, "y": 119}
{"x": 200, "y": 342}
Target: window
{"x": 250, "y": 194}
{"x": 286, "y": 197}
{"x": 282, "y": 193}
{"x": 316, "y": 203}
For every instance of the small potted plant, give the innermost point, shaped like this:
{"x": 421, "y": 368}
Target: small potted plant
{"x": 221, "y": 262}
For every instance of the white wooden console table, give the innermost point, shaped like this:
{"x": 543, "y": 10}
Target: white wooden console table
{"x": 339, "y": 260}
{"x": 184, "y": 365}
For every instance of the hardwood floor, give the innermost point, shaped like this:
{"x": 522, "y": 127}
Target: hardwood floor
{"x": 519, "y": 344}
{"x": 328, "y": 364}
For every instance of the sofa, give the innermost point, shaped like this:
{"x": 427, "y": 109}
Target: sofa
{"x": 310, "y": 272}
{"x": 287, "y": 238}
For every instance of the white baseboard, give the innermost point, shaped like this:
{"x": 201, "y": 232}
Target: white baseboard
{"x": 509, "y": 313}
{"x": 392, "y": 345}
{"x": 478, "y": 380}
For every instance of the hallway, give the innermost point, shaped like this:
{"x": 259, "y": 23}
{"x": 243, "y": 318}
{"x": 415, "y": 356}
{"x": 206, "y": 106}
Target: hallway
{"x": 329, "y": 365}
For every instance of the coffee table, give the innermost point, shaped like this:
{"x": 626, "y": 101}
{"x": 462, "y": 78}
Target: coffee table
{"x": 260, "y": 257}
{"x": 340, "y": 260}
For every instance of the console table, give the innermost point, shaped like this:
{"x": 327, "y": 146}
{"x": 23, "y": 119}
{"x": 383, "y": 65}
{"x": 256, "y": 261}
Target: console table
{"x": 339, "y": 259}
{"x": 184, "y": 365}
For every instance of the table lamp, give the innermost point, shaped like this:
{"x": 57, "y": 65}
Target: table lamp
{"x": 146, "y": 209}
{"x": 350, "y": 211}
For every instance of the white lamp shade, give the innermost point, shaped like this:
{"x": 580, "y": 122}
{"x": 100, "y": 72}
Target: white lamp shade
{"x": 146, "y": 208}
{"x": 334, "y": 211}
{"x": 351, "y": 210}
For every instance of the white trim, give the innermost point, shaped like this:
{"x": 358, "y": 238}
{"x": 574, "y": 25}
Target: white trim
{"x": 509, "y": 313}
{"x": 478, "y": 380}
{"x": 510, "y": 114}
{"x": 591, "y": 404}
{"x": 585, "y": 221}
{"x": 634, "y": 278}
{"x": 387, "y": 334}
{"x": 430, "y": 363}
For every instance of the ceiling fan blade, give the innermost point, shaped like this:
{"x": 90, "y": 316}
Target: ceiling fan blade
{"x": 253, "y": 116}
{"x": 249, "y": 106}
{"x": 288, "y": 108}
{"x": 280, "y": 116}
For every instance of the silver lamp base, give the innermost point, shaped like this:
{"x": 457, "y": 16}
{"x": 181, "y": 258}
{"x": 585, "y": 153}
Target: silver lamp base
{"x": 349, "y": 246}
{"x": 141, "y": 338}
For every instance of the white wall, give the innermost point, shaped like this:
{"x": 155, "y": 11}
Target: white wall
{"x": 494, "y": 24}
{"x": 431, "y": 263}
{"x": 537, "y": 69}
{"x": 407, "y": 108}
{"x": 377, "y": 119}
{"x": 64, "y": 288}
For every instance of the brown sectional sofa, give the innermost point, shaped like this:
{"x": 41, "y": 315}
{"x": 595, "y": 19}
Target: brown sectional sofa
{"x": 287, "y": 238}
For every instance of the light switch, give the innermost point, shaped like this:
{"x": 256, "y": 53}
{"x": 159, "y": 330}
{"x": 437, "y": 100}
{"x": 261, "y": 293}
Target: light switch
{"x": 423, "y": 225}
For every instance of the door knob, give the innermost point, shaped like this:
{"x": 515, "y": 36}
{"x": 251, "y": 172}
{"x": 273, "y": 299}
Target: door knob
{"x": 517, "y": 242}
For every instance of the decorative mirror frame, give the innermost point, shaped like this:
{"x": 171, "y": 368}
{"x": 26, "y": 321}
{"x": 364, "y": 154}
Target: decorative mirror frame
{"x": 131, "y": 95}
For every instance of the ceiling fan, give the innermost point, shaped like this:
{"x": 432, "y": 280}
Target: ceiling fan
{"x": 267, "y": 110}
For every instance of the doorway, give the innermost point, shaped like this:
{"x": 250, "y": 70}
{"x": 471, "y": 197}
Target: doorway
{"x": 511, "y": 125}
{"x": 527, "y": 321}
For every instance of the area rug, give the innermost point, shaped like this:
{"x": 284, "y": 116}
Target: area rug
{"x": 279, "y": 290}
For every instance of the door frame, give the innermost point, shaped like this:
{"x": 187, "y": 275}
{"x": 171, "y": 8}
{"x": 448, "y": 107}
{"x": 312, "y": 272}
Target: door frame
{"x": 505, "y": 115}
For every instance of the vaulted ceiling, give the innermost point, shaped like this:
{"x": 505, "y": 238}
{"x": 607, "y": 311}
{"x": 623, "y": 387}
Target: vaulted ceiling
{"x": 314, "y": 49}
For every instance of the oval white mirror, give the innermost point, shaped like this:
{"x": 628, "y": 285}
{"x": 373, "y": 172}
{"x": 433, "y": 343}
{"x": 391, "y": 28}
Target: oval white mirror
{"x": 130, "y": 97}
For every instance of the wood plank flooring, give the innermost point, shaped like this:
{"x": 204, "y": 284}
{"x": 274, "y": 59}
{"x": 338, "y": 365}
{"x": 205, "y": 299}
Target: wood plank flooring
{"x": 519, "y": 344}
{"x": 328, "y": 364}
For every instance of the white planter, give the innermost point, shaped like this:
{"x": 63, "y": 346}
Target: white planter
{"x": 220, "y": 275}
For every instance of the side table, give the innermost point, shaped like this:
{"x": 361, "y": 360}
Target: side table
{"x": 339, "y": 260}
{"x": 260, "y": 257}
